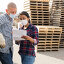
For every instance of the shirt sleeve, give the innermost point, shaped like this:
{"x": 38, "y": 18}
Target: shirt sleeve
{"x": 35, "y": 41}
{"x": 35, "y": 36}
{"x": 2, "y": 20}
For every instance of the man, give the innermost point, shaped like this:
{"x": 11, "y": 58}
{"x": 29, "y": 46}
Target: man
{"x": 6, "y": 22}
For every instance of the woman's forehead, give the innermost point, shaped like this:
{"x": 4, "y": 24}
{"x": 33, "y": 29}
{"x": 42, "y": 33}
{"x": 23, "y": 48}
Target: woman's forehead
{"x": 22, "y": 15}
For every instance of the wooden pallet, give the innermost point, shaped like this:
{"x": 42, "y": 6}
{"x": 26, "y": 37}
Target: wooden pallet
{"x": 49, "y": 38}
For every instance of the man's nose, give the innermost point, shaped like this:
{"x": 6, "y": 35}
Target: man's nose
{"x": 14, "y": 13}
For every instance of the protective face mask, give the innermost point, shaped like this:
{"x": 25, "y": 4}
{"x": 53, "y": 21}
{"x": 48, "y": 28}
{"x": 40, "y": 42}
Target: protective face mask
{"x": 24, "y": 22}
{"x": 12, "y": 15}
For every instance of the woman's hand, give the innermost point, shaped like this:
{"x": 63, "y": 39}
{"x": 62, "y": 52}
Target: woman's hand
{"x": 28, "y": 38}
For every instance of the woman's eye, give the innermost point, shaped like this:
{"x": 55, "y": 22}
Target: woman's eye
{"x": 24, "y": 18}
{"x": 20, "y": 19}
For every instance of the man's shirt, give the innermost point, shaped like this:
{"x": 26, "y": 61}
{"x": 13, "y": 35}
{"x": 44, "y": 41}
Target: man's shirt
{"x": 6, "y": 29}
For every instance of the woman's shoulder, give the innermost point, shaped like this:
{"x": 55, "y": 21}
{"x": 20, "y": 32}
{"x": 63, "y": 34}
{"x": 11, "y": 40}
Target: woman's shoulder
{"x": 33, "y": 27}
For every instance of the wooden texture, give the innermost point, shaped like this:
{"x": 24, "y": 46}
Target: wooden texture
{"x": 39, "y": 11}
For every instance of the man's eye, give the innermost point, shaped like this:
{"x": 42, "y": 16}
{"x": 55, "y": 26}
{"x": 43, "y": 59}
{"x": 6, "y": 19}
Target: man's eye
{"x": 12, "y": 12}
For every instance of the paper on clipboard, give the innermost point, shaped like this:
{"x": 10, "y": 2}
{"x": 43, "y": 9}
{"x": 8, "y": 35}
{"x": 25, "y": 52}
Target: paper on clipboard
{"x": 17, "y": 34}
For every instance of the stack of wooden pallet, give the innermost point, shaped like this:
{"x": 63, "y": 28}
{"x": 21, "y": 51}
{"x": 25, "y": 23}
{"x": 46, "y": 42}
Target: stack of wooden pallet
{"x": 56, "y": 12}
{"x": 49, "y": 38}
{"x": 62, "y": 24}
{"x": 39, "y": 11}
{"x": 58, "y": 17}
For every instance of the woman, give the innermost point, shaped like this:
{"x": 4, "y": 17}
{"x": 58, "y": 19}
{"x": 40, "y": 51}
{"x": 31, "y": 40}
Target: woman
{"x": 27, "y": 49}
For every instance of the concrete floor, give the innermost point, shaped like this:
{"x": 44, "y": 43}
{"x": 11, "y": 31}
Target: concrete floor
{"x": 44, "y": 59}
{"x": 55, "y": 54}
{"x": 49, "y": 57}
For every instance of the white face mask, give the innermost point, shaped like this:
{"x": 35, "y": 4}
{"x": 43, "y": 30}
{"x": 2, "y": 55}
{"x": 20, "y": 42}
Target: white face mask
{"x": 12, "y": 15}
{"x": 24, "y": 22}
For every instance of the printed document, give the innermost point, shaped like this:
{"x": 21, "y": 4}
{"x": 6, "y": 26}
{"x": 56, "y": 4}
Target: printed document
{"x": 17, "y": 34}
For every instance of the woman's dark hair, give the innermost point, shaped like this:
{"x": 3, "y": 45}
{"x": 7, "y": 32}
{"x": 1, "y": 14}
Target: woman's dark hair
{"x": 26, "y": 14}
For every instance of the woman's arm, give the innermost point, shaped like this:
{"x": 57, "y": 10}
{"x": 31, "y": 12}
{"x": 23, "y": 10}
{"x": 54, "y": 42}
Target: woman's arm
{"x": 34, "y": 38}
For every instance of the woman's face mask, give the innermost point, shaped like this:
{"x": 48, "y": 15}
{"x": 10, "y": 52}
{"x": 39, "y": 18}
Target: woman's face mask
{"x": 24, "y": 22}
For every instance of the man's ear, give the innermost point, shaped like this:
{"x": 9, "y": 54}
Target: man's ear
{"x": 6, "y": 10}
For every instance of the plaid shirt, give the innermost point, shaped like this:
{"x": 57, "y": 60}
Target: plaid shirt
{"x": 26, "y": 47}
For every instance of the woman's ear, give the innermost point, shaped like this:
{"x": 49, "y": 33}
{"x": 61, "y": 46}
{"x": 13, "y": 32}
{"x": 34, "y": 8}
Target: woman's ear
{"x": 28, "y": 20}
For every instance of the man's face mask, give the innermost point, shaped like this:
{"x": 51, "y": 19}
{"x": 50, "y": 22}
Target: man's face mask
{"x": 12, "y": 15}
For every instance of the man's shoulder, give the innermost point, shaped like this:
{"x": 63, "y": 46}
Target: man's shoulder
{"x": 2, "y": 16}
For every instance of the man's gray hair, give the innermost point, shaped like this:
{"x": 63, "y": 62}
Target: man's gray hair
{"x": 12, "y": 5}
